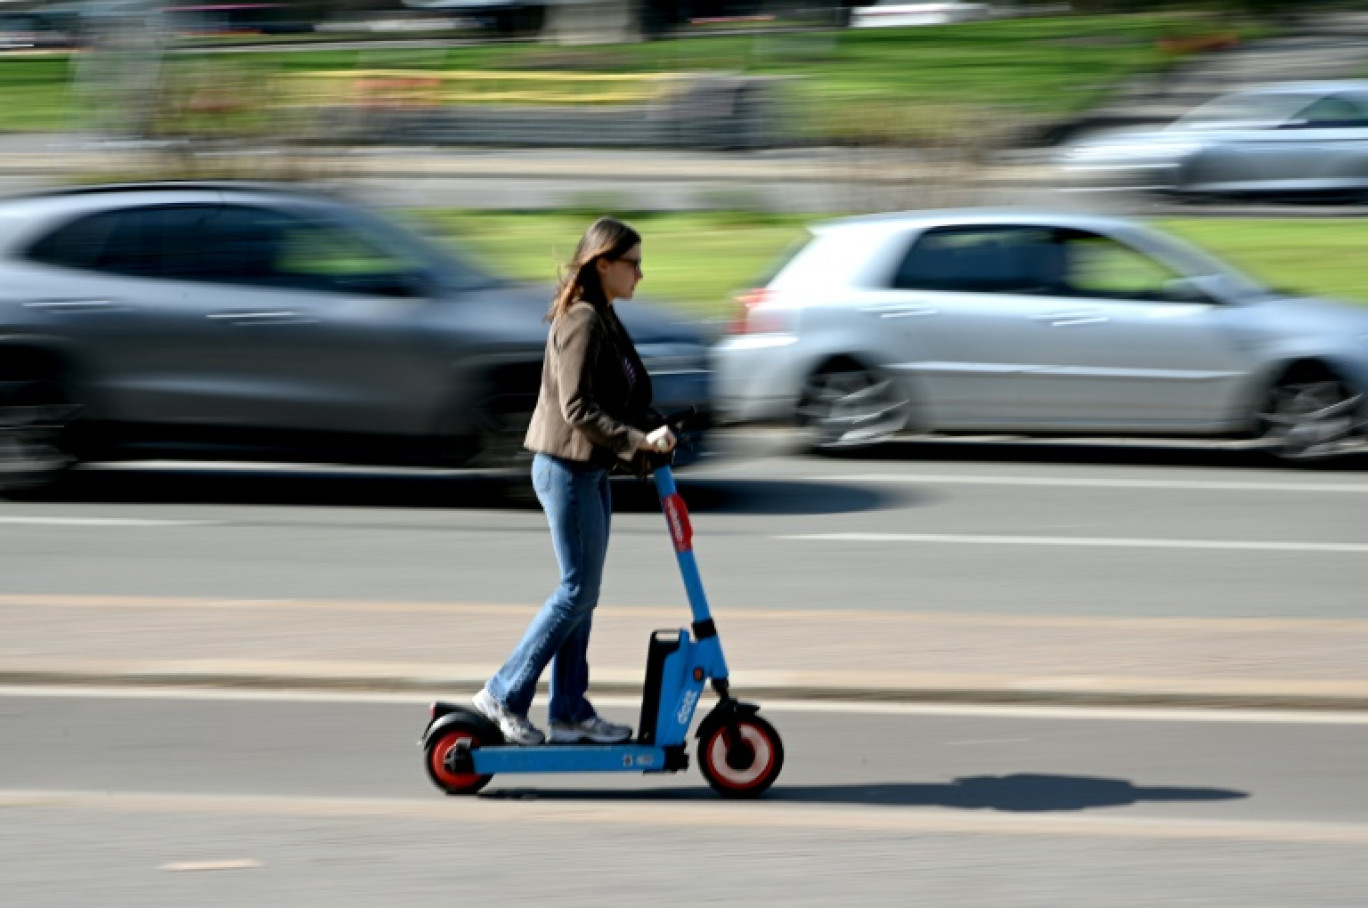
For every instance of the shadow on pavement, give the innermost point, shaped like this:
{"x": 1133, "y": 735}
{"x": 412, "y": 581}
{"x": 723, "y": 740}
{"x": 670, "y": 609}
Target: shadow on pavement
{"x": 763, "y": 496}
{"x": 1020, "y": 793}
{"x": 415, "y": 490}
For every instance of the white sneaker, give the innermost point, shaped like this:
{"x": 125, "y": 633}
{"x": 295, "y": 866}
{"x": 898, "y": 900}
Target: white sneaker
{"x": 516, "y": 729}
{"x": 595, "y": 729}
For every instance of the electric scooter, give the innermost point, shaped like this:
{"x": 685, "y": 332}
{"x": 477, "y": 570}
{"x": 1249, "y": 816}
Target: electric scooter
{"x": 739, "y": 753}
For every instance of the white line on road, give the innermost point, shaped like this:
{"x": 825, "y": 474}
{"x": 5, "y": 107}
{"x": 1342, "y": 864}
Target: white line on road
{"x": 191, "y": 866}
{"x": 852, "y": 707}
{"x": 106, "y": 522}
{"x": 1194, "y": 485}
{"x": 1357, "y": 548}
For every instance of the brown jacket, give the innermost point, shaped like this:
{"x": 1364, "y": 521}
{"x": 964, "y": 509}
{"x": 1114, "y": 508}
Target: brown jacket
{"x": 595, "y": 392}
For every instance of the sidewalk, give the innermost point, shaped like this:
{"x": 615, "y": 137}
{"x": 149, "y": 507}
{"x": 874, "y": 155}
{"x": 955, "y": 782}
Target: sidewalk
{"x": 797, "y": 181}
{"x": 450, "y": 648}
{"x": 61, "y": 154}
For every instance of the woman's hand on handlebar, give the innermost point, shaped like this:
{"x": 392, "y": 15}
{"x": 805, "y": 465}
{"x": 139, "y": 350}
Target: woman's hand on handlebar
{"x": 659, "y": 441}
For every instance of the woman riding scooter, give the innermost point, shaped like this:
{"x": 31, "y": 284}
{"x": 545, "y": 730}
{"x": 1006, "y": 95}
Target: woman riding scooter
{"x": 595, "y": 396}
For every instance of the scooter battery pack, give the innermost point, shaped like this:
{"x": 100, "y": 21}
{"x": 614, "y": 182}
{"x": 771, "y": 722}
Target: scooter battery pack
{"x": 663, "y": 645}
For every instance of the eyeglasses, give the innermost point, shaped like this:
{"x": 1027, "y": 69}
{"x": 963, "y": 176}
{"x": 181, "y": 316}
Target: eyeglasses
{"x": 635, "y": 263}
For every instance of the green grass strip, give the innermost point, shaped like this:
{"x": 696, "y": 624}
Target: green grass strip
{"x": 698, "y": 261}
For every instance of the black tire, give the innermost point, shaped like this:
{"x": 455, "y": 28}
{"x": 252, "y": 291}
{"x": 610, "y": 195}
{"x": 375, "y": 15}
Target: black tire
{"x": 845, "y": 404}
{"x": 438, "y": 749}
{"x": 1310, "y": 415}
{"x": 744, "y": 768}
{"x": 35, "y": 450}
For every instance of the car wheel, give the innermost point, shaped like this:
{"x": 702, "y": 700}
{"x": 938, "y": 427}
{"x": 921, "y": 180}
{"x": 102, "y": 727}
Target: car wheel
{"x": 846, "y": 404}
{"x": 1310, "y": 414}
{"x": 34, "y": 416}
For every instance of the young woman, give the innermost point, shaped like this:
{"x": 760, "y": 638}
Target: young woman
{"x": 595, "y": 397}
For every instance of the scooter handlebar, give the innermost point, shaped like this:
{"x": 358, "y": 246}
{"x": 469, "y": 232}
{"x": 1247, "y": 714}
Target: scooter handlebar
{"x": 676, "y": 422}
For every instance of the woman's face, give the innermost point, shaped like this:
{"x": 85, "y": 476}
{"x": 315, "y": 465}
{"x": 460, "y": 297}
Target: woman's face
{"x": 620, "y": 276}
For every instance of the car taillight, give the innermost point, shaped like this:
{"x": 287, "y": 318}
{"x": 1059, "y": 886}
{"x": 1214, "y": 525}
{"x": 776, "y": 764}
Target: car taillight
{"x": 752, "y": 316}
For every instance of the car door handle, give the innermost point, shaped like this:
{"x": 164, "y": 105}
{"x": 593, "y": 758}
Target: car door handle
{"x": 1068, "y": 319}
{"x": 72, "y": 306}
{"x": 247, "y": 319}
{"x": 903, "y": 311}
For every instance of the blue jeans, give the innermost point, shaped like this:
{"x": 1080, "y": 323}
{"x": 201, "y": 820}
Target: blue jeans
{"x": 579, "y": 509}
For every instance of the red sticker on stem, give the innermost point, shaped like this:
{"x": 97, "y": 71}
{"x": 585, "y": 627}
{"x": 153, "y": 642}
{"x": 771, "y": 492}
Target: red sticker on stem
{"x": 677, "y": 517}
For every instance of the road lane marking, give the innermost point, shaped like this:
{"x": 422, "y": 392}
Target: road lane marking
{"x": 1355, "y": 548}
{"x": 648, "y": 809}
{"x": 106, "y": 522}
{"x": 191, "y": 866}
{"x": 515, "y": 611}
{"x": 1207, "y": 715}
{"x": 1197, "y": 485}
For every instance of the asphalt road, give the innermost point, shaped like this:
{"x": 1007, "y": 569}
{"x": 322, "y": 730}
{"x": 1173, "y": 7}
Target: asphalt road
{"x": 219, "y": 800}
{"x": 971, "y": 528}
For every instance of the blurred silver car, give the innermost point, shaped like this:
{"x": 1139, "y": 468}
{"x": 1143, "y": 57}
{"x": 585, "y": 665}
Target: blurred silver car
{"x": 899, "y": 14}
{"x": 1037, "y": 323}
{"x": 1293, "y": 139}
{"x": 230, "y": 321}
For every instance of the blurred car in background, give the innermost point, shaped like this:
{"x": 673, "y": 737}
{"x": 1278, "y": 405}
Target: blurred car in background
{"x": 502, "y": 17}
{"x": 1295, "y": 139}
{"x": 894, "y": 14}
{"x": 228, "y": 19}
{"x": 230, "y": 321}
{"x": 33, "y": 30}
{"x": 1037, "y": 324}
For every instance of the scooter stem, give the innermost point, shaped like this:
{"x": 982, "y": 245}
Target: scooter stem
{"x": 681, "y": 534}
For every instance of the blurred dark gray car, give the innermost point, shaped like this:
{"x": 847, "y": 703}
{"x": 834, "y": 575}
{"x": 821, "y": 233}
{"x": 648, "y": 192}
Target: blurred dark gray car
{"x": 1038, "y": 323}
{"x": 1295, "y": 139}
{"x": 261, "y": 323}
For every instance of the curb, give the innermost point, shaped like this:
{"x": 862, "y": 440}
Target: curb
{"x": 1028, "y": 693}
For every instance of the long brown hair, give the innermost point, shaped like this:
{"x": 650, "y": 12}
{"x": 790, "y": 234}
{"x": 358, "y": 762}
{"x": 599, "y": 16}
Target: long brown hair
{"x": 579, "y": 280}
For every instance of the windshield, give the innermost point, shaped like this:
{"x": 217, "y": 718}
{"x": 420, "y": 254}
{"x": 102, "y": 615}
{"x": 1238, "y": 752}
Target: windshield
{"x": 1193, "y": 261}
{"x": 1244, "y": 108}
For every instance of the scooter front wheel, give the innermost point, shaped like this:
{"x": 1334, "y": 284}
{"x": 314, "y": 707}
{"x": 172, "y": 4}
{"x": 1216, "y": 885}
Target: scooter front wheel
{"x": 741, "y": 759}
{"x": 437, "y": 757}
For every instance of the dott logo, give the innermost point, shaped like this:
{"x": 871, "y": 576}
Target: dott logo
{"x": 677, "y": 516}
{"x": 686, "y": 706}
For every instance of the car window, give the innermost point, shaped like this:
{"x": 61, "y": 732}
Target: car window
{"x": 260, "y": 246}
{"x": 1098, "y": 266}
{"x": 983, "y": 260}
{"x": 1032, "y": 261}
{"x": 151, "y": 241}
{"x": 251, "y": 245}
{"x": 1330, "y": 112}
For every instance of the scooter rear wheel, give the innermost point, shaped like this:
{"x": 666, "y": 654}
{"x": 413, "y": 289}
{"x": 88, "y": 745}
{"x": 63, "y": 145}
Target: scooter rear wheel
{"x": 438, "y": 752}
{"x": 741, "y": 760}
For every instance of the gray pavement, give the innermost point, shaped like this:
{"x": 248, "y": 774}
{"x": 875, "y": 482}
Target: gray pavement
{"x": 230, "y": 798}
{"x": 1223, "y": 584}
{"x": 447, "y": 648}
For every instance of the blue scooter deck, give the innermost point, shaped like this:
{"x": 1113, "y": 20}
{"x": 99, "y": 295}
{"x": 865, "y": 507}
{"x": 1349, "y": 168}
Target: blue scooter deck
{"x": 569, "y": 758}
